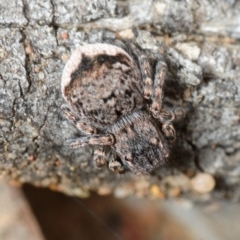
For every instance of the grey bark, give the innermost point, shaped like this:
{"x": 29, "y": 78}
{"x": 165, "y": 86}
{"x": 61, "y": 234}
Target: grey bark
{"x": 202, "y": 44}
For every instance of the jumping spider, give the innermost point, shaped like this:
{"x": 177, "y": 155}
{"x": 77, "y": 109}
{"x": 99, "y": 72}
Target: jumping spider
{"x": 117, "y": 103}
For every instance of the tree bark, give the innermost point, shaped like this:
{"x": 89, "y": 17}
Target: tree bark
{"x": 200, "y": 40}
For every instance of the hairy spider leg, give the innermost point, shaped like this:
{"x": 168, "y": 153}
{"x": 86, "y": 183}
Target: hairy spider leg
{"x": 99, "y": 155}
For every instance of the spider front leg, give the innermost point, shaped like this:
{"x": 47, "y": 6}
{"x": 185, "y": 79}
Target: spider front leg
{"x": 81, "y": 125}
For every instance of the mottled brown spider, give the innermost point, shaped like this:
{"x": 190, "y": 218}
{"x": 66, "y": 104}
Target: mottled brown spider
{"x": 117, "y": 103}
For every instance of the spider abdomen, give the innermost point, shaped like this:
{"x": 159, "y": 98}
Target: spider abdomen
{"x": 102, "y": 87}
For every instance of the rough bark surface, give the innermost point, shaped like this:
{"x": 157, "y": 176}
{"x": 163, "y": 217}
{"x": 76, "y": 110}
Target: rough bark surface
{"x": 201, "y": 39}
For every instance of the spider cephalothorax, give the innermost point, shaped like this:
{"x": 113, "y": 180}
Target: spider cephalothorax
{"x": 117, "y": 103}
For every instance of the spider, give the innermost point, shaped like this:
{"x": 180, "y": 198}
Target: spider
{"x": 115, "y": 100}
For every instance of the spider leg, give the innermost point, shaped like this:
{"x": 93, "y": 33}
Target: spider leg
{"x": 81, "y": 125}
{"x": 166, "y": 117}
{"x": 116, "y": 165}
{"x": 146, "y": 72}
{"x": 169, "y": 132}
{"x": 153, "y": 89}
{"x": 145, "y": 69}
{"x": 157, "y": 96}
{"x": 169, "y": 116}
{"x": 96, "y": 139}
{"x": 100, "y": 159}
{"x": 99, "y": 156}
